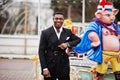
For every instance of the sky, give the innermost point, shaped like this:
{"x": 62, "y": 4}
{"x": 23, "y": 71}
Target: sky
{"x": 36, "y": 1}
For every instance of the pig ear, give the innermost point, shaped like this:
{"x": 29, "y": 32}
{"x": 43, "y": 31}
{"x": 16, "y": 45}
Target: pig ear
{"x": 98, "y": 14}
{"x": 115, "y": 11}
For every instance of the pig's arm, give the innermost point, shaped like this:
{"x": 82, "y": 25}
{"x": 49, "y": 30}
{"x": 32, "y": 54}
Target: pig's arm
{"x": 94, "y": 38}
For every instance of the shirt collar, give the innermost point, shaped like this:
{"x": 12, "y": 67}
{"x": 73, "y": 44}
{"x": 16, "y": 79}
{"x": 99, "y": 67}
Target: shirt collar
{"x": 61, "y": 29}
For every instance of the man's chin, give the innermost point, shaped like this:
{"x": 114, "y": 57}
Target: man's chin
{"x": 58, "y": 26}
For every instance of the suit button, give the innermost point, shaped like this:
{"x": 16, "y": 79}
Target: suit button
{"x": 53, "y": 61}
{"x": 55, "y": 54}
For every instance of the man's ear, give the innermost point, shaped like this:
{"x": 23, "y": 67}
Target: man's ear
{"x": 98, "y": 14}
{"x": 115, "y": 11}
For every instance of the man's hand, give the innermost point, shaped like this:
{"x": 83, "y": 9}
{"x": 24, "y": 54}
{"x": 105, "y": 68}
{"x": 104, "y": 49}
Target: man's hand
{"x": 46, "y": 73}
{"x": 63, "y": 45}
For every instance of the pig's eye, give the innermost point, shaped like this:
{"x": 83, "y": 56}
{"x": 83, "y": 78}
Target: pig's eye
{"x": 108, "y": 15}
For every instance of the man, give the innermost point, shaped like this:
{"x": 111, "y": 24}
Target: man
{"x": 53, "y": 43}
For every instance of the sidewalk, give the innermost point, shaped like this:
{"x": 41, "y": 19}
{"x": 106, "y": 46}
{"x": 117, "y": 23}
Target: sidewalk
{"x": 17, "y": 69}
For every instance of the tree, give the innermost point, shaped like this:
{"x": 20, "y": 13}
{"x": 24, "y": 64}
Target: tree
{"x": 117, "y": 5}
{"x": 76, "y": 8}
{"x": 3, "y": 13}
{"x": 71, "y": 8}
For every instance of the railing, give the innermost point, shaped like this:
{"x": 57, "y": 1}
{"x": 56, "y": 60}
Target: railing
{"x": 14, "y": 44}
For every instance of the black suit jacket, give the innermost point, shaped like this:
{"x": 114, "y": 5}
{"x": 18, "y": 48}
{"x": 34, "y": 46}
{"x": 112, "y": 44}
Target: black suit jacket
{"x": 51, "y": 56}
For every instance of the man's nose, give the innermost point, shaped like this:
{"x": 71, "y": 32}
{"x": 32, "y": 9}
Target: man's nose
{"x": 58, "y": 19}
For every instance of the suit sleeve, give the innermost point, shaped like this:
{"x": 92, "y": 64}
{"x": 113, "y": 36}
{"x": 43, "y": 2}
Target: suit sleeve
{"x": 42, "y": 48}
{"x": 74, "y": 40}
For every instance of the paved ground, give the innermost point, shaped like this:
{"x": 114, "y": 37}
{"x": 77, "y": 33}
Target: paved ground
{"x": 17, "y": 69}
{"x": 25, "y": 69}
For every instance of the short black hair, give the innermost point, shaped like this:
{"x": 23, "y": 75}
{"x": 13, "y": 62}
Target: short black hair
{"x": 58, "y": 13}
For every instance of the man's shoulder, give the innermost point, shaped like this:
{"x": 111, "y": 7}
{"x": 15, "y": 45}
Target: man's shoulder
{"x": 66, "y": 29}
{"x": 47, "y": 29}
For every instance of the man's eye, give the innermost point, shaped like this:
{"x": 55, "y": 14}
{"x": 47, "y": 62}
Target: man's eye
{"x": 58, "y": 18}
{"x": 61, "y": 18}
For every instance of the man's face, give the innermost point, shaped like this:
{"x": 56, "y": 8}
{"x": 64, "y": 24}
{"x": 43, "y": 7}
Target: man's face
{"x": 108, "y": 17}
{"x": 58, "y": 20}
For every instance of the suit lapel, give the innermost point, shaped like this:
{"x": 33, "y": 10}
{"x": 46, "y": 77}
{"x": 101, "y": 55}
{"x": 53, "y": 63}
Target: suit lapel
{"x": 54, "y": 38}
{"x": 53, "y": 35}
{"x": 63, "y": 36}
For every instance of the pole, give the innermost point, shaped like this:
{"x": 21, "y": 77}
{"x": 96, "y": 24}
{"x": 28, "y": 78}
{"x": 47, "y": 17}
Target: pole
{"x": 83, "y": 14}
{"x": 39, "y": 9}
{"x": 83, "y": 11}
{"x": 25, "y": 27}
{"x": 69, "y": 11}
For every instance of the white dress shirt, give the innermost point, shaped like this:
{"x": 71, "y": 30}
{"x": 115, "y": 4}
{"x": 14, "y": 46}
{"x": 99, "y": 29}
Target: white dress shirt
{"x": 58, "y": 33}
